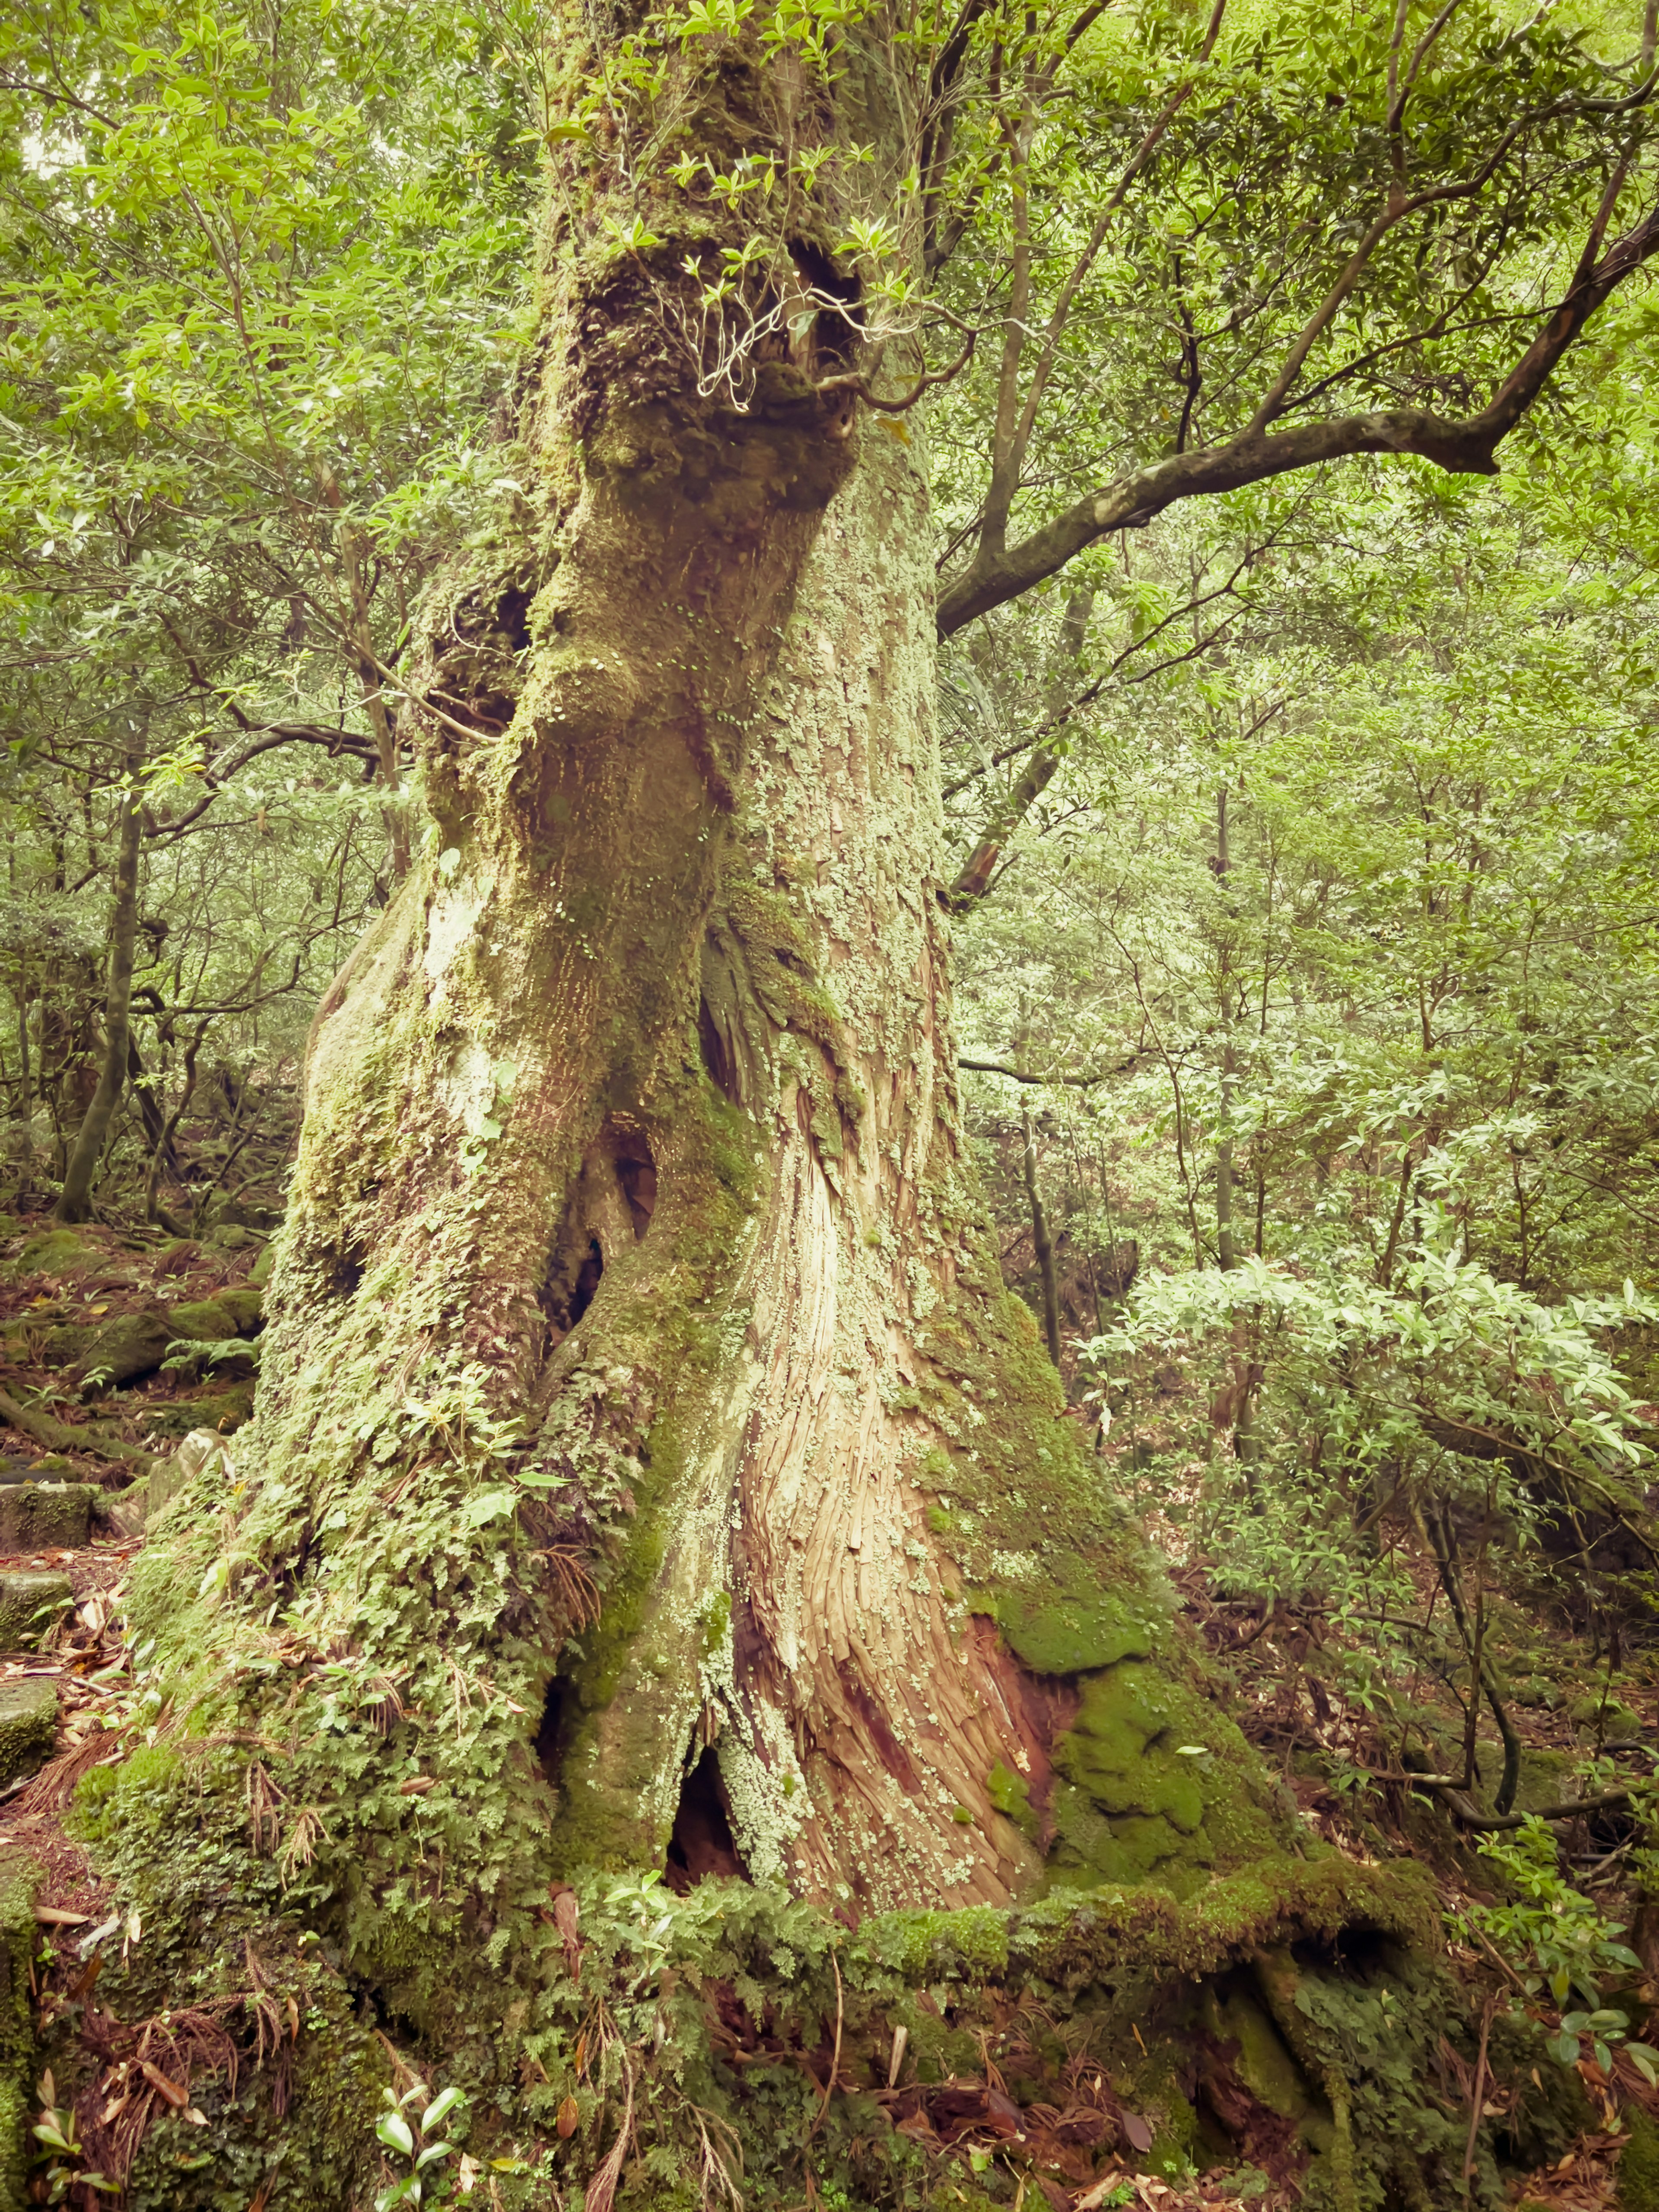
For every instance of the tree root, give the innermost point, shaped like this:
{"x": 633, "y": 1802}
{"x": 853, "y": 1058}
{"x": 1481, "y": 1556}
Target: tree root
{"x": 58, "y": 1436}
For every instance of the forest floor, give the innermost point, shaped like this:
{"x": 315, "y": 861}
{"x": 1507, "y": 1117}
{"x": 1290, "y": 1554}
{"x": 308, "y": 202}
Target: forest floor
{"x": 1578, "y": 1713}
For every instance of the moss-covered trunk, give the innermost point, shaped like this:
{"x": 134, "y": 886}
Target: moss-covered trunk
{"x": 650, "y": 1469}
{"x": 633, "y": 1258}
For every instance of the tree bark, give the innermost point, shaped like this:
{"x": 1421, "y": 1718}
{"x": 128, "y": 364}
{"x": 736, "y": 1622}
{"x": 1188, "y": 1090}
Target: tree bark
{"x": 75, "y": 1200}
{"x": 1043, "y": 1243}
{"x": 640, "y": 1383}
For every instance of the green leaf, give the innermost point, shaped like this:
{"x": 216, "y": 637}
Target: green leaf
{"x": 440, "y": 2108}
{"x": 394, "y": 2129}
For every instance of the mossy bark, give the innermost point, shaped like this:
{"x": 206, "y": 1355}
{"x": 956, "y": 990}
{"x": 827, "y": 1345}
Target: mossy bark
{"x": 639, "y": 1387}
{"x": 633, "y": 1242}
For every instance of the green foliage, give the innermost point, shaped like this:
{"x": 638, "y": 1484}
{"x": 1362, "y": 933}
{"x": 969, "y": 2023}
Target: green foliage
{"x": 417, "y": 2143}
{"x": 1550, "y": 1931}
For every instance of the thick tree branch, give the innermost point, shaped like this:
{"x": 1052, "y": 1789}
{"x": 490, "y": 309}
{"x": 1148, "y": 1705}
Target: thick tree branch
{"x": 1463, "y": 447}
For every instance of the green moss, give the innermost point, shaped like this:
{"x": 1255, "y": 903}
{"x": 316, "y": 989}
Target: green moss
{"x": 30, "y": 1601}
{"x": 21, "y": 1880}
{"x": 29, "y": 1726}
{"x": 204, "y": 1321}
{"x": 1638, "y": 2164}
{"x": 57, "y": 1252}
{"x": 1158, "y": 1786}
{"x": 1064, "y": 1634}
{"x": 1010, "y": 1793}
{"x": 129, "y": 1800}
{"x": 923, "y": 1944}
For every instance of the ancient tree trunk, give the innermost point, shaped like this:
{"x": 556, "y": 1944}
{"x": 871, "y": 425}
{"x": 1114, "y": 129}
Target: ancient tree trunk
{"x": 642, "y": 1399}
{"x": 75, "y": 1200}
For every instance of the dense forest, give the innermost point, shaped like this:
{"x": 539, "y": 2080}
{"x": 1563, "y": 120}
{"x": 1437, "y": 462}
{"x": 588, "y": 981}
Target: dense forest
{"x": 829, "y": 1029}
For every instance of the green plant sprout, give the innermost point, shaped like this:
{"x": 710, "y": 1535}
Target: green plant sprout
{"x": 411, "y": 2143}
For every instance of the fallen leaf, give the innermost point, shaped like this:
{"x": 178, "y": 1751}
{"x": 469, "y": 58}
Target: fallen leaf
{"x": 569, "y": 2116}
{"x": 176, "y": 2097}
{"x": 1139, "y": 2131}
{"x": 197, "y": 2118}
{"x": 54, "y": 1916}
{"x": 416, "y": 1786}
{"x": 566, "y": 1914}
{"x": 1093, "y": 2197}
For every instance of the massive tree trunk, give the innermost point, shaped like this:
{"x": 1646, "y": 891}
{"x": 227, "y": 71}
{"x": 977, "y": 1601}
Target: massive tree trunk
{"x": 650, "y": 1468}
{"x": 633, "y": 1257}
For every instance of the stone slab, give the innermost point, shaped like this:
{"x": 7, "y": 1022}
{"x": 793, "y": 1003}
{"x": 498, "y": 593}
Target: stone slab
{"x": 28, "y": 1725}
{"x": 45, "y": 1516}
{"x": 31, "y": 1599}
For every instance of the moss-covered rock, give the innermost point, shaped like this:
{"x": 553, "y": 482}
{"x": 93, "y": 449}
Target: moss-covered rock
{"x": 202, "y": 1452}
{"x": 204, "y": 1321}
{"x": 20, "y": 1878}
{"x": 31, "y": 1599}
{"x": 125, "y": 1347}
{"x": 1605, "y": 1716}
{"x": 28, "y": 1725}
{"x": 40, "y": 1517}
{"x": 245, "y": 1303}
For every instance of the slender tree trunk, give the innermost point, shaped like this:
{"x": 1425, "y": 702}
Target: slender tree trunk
{"x": 74, "y": 1201}
{"x": 1226, "y": 1254}
{"x": 1043, "y": 1243}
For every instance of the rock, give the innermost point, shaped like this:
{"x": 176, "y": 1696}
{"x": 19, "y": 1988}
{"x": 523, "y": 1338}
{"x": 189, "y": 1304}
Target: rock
{"x": 1606, "y": 1717}
{"x": 220, "y": 1412}
{"x": 119, "y": 1514}
{"x": 57, "y": 1252}
{"x": 201, "y": 1451}
{"x": 28, "y": 1725}
{"x": 45, "y": 1516}
{"x": 245, "y": 1303}
{"x": 128, "y": 1345}
{"x": 204, "y": 1321}
{"x": 63, "y": 1345}
{"x": 22, "y": 1879}
{"x": 31, "y": 1599}
{"x": 233, "y": 1237}
{"x": 259, "y": 1273}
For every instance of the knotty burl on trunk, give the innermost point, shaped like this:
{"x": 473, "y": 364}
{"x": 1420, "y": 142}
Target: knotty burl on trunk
{"x": 642, "y": 1385}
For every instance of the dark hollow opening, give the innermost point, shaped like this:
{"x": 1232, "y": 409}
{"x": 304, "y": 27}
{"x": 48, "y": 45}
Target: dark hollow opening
{"x": 566, "y": 1302}
{"x": 636, "y": 1171}
{"x": 703, "y": 1843}
{"x": 715, "y": 1059}
{"x": 587, "y": 1281}
{"x": 513, "y": 615}
{"x": 549, "y": 1751}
